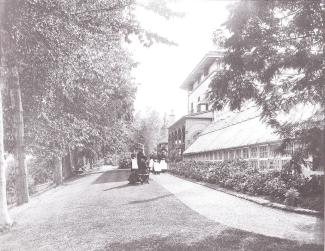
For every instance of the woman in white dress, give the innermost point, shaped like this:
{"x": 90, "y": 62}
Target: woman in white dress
{"x": 163, "y": 165}
{"x": 134, "y": 163}
{"x": 157, "y": 169}
{"x": 152, "y": 164}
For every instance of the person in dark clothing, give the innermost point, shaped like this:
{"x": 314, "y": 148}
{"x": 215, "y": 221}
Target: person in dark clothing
{"x": 141, "y": 160}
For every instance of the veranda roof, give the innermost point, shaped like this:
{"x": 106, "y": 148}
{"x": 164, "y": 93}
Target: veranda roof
{"x": 234, "y": 129}
{"x": 242, "y": 128}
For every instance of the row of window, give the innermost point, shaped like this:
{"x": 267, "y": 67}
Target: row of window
{"x": 254, "y": 152}
{"x": 177, "y": 137}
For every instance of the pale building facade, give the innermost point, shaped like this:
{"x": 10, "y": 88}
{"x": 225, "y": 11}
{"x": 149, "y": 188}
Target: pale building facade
{"x": 204, "y": 134}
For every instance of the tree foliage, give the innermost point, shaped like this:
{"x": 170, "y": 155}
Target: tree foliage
{"x": 74, "y": 71}
{"x": 274, "y": 57}
{"x": 146, "y": 130}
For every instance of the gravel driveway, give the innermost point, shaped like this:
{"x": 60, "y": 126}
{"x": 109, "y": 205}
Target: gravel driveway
{"x": 101, "y": 211}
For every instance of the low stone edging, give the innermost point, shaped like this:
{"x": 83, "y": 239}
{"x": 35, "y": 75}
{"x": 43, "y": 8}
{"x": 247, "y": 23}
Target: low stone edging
{"x": 256, "y": 200}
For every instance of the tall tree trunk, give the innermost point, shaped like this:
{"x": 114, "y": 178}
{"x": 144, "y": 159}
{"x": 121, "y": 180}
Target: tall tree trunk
{"x": 58, "y": 177}
{"x": 75, "y": 159}
{"x": 19, "y": 152}
{"x": 66, "y": 166}
{"x": 4, "y": 215}
{"x": 71, "y": 160}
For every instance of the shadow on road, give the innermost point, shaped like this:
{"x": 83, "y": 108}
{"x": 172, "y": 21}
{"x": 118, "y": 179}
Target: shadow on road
{"x": 149, "y": 200}
{"x": 118, "y": 187}
{"x": 229, "y": 240}
{"x": 113, "y": 176}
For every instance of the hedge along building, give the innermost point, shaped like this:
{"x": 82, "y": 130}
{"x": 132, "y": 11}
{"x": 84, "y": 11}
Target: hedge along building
{"x": 226, "y": 135}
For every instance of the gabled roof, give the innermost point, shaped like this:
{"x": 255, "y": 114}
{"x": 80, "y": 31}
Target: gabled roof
{"x": 206, "y": 61}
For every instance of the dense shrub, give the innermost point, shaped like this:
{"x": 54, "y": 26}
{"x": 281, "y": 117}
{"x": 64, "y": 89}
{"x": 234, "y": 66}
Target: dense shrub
{"x": 281, "y": 185}
{"x": 124, "y": 164}
{"x": 40, "y": 171}
{"x": 292, "y": 197}
{"x": 124, "y": 161}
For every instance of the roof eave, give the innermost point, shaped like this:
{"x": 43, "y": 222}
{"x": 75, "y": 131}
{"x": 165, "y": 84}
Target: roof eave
{"x": 206, "y": 60}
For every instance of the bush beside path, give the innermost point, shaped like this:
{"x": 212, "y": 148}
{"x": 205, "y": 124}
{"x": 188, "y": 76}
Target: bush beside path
{"x": 282, "y": 186}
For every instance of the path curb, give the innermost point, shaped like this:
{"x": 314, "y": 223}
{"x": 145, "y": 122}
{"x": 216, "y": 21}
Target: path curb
{"x": 259, "y": 201}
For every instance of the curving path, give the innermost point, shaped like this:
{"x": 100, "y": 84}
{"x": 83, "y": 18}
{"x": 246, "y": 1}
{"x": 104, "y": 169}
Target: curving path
{"x": 241, "y": 214}
{"x": 100, "y": 211}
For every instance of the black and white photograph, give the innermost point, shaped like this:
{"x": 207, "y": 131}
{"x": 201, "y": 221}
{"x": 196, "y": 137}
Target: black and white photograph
{"x": 168, "y": 125}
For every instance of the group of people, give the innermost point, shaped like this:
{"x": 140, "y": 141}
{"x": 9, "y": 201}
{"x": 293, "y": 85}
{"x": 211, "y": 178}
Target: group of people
{"x": 139, "y": 170}
{"x": 141, "y": 166}
{"x": 157, "y": 165}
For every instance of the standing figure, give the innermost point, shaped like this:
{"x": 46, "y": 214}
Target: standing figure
{"x": 152, "y": 164}
{"x": 134, "y": 163}
{"x": 141, "y": 159}
{"x": 142, "y": 164}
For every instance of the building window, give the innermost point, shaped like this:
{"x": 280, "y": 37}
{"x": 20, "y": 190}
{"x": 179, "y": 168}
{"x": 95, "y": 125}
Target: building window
{"x": 288, "y": 150}
{"x": 296, "y": 147}
{"x": 245, "y": 153}
{"x": 263, "y": 152}
{"x": 192, "y": 108}
{"x": 254, "y": 152}
{"x": 285, "y": 161}
{"x": 263, "y": 164}
{"x": 254, "y": 163}
{"x": 225, "y": 155}
{"x": 198, "y": 99}
{"x": 238, "y": 154}
{"x": 275, "y": 164}
{"x": 220, "y": 155}
{"x": 273, "y": 150}
{"x": 232, "y": 155}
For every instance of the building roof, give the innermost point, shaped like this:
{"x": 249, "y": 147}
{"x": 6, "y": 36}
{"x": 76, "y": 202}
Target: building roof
{"x": 206, "y": 61}
{"x": 234, "y": 129}
{"x": 242, "y": 128}
{"x": 199, "y": 115}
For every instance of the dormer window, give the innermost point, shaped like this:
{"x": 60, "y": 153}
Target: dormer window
{"x": 198, "y": 99}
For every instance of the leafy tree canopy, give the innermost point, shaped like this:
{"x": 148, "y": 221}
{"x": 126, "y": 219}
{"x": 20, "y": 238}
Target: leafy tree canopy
{"x": 74, "y": 71}
{"x": 274, "y": 57}
{"x": 146, "y": 130}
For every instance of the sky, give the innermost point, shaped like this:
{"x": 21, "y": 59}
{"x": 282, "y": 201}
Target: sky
{"x": 163, "y": 68}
